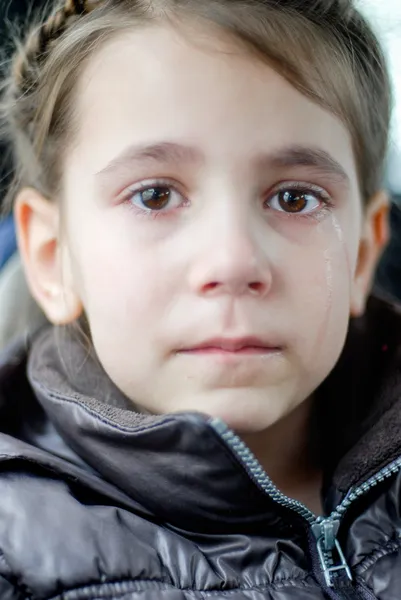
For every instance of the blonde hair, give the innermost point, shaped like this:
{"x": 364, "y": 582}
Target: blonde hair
{"x": 324, "y": 48}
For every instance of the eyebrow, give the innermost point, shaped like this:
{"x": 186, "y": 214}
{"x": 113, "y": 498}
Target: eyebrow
{"x": 173, "y": 153}
{"x": 163, "y": 152}
{"x": 304, "y": 156}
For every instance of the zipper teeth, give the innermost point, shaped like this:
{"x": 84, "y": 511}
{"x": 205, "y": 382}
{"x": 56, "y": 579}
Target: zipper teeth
{"x": 259, "y": 475}
{"x": 257, "y": 472}
{"x": 359, "y": 491}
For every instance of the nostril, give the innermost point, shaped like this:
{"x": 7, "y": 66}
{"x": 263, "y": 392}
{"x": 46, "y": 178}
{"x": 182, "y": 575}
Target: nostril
{"x": 211, "y": 286}
{"x": 235, "y": 287}
{"x": 255, "y": 286}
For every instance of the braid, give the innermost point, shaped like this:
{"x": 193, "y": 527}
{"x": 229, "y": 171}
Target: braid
{"x": 31, "y": 55}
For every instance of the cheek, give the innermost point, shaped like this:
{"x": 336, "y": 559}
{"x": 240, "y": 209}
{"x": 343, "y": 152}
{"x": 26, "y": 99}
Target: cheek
{"x": 320, "y": 259}
{"x": 321, "y": 281}
{"x": 126, "y": 292}
{"x": 122, "y": 283}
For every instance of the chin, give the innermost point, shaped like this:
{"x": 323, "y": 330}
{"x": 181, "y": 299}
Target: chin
{"x": 241, "y": 410}
{"x": 246, "y": 425}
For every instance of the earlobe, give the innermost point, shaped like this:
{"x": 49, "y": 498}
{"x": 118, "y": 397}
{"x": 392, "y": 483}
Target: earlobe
{"x": 38, "y": 232}
{"x": 375, "y": 236}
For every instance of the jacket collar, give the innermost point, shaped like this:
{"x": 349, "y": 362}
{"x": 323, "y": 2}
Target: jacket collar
{"x": 179, "y": 468}
{"x": 176, "y": 466}
{"x": 358, "y": 407}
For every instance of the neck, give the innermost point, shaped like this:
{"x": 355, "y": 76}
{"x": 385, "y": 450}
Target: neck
{"x": 284, "y": 452}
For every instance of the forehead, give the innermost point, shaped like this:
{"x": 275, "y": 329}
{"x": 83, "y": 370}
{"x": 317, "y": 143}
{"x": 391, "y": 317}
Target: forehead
{"x": 154, "y": 84}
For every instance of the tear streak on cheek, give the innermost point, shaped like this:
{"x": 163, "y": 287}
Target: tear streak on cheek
{"x": 334, "y": 277}
{"x": 345, "y": 253}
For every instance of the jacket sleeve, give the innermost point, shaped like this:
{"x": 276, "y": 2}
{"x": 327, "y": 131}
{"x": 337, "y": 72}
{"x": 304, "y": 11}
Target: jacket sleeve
{"x": 8, "y": 591}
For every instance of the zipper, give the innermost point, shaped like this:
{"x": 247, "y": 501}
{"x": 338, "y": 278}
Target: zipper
{"x": 325, "y": 529}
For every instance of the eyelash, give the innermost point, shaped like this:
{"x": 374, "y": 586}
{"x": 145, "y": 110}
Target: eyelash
{"x": 327, "y": 203}
{"x": 306, "y": 188}
{"x": 149, "y": 214}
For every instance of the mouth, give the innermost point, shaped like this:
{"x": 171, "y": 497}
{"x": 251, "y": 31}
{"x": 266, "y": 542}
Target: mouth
{"x": 233, "y": 346}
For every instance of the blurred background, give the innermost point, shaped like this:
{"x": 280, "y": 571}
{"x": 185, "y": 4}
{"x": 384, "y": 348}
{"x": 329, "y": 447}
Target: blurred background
{"x": 386, "y": 18}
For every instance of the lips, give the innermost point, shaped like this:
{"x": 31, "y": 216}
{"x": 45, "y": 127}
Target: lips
{"x": 234, "y": 346}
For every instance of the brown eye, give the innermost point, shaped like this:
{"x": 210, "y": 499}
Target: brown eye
{"x": 155, "y": 198}
{"x": 294, "y": 201}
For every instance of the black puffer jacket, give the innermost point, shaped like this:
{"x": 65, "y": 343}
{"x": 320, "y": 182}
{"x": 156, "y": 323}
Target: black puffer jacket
{"x": 99, "y": 502}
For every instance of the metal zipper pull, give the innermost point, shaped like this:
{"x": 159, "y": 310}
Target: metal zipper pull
{"x": 325, "y": 533}
{"x": 324, "y": 529}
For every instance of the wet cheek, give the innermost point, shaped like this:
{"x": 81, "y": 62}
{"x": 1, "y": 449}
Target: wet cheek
{"x": 335, "y": 255}
{"x": 320, "y": 288}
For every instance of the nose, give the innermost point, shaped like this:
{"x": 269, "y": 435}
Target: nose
{"x": 232, "y": 260}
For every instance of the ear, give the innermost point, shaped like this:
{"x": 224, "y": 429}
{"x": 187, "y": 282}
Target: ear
{"x": 46, "y": 266}
{"x": 375, "y": 237}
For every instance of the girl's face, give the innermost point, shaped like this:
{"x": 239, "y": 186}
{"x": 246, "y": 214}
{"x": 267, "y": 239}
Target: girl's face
{"x": 212, "y": 229}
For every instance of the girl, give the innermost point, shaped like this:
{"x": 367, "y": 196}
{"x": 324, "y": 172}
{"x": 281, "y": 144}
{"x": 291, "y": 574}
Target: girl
{"x": 198, "y": 196}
